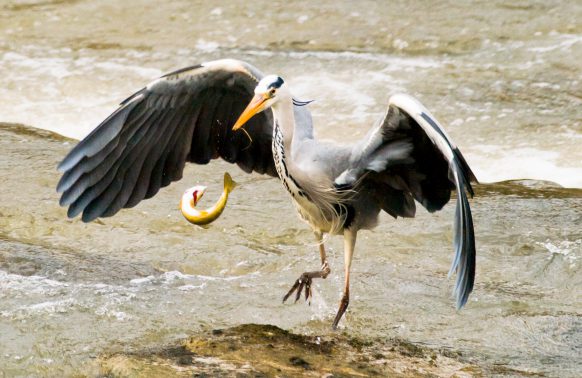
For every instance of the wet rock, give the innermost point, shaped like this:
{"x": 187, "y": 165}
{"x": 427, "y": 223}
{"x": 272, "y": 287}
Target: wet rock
{"x": 298, "y": 361}
{"x": 268, "y": 351}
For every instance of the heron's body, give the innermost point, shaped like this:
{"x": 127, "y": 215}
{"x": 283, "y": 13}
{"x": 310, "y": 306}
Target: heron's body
{"x": 297, "y": 182}
{"x": 204, "y": 217}
{"x": 188, "y": 116}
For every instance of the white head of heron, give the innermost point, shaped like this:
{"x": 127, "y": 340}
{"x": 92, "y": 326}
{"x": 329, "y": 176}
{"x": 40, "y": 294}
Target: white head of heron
{"x": 193, "y": 195}
{"x": 269, "y": 84}
{"x": 265, "y": 97}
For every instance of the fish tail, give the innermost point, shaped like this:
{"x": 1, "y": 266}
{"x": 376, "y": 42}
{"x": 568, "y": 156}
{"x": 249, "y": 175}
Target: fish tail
{"x": 229, "y": 183}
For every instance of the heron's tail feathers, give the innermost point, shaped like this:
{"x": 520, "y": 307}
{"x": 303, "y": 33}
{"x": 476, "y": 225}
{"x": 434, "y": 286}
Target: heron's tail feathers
{"x": 229, "y": 183}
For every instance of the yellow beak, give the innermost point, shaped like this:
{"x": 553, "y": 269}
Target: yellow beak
{"x": 255, "y": 106}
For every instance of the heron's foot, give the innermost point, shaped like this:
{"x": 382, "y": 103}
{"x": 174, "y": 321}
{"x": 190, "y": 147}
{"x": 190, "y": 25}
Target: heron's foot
{"x": 342, "y": 308}
{"x": 303, "y": 283}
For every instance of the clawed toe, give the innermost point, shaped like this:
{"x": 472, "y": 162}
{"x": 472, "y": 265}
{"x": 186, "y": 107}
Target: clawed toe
{"x": 295, "y": 286}
{"x": 308, "y": 290}
{"x": 303, "y": 283}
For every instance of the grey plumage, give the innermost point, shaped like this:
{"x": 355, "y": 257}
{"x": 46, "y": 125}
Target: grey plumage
{"x": 143, "y": 146}
{"x": 188, "y": 115}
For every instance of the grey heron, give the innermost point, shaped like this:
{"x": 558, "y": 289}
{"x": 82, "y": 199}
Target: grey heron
{"x": 192, "y": 114}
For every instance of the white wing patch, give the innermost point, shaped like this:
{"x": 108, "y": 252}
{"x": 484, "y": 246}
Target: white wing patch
{"x": 154, "y": 83}
{"x": 229, "y": 65}
{"x": 433, "y": 129}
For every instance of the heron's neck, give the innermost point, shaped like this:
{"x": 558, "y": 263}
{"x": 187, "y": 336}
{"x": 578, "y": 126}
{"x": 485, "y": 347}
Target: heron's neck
{"x": 285, "y": 120}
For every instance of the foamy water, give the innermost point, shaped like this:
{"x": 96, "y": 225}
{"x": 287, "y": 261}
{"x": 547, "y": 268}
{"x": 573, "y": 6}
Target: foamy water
{"x": 70, "y": 92}
{"x": 46, "y": 297}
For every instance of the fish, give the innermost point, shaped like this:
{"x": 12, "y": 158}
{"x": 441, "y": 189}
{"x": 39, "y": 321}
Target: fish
{"x": 192, "y": 196}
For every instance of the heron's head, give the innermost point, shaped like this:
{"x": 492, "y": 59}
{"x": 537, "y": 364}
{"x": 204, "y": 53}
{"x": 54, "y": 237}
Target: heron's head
{"x": 193, "y": 195}
{"x": 265, "y": 96}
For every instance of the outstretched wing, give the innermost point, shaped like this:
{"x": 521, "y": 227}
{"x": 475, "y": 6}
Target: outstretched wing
{"x": 407, "y": 156}
{"x": 184, "y": 116}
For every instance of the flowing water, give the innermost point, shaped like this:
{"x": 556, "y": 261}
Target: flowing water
{"x": 505, "y": 80}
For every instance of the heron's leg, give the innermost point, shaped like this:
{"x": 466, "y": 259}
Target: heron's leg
{"x": 325, "y": 270}
{"x": 349, "y": 246}
{"x": 304, "y": 281}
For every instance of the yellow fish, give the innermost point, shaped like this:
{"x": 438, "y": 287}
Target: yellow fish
{"x": 201, "y": 217}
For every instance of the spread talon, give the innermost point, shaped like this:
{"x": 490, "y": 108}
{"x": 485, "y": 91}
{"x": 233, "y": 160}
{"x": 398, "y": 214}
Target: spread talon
{"x": 303, "y": 283}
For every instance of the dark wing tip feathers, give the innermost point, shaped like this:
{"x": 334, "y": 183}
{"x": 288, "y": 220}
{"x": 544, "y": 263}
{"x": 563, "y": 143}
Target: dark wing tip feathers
{"x": 93, "y": 182}
{"x": 99, "y": 137}
{"x": 464, "y": 262}
{"x": 464, "y": 168}
{"x": 466, "y": 171}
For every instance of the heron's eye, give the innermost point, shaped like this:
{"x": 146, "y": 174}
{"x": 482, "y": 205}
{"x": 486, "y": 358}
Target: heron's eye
{"x": 272, "y": 92}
